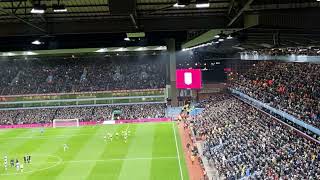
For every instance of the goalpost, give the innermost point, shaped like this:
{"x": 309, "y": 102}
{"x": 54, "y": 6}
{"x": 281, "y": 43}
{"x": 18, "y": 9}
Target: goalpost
{"x": 65, "y": 123}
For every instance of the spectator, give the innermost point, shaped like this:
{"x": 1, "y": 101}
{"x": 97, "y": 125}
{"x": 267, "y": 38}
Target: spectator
{"x": 290, "y": 87}
{"x": 241, "y": 141}
{"x": 100, "y": 113}
{"x": 59, "y": 76}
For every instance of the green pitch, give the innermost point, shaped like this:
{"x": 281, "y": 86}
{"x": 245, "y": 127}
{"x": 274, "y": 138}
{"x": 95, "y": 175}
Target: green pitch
{"x": 151, "y": 152}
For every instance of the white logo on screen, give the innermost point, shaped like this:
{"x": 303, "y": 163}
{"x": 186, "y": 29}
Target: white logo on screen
{"x": 188, "y": 78}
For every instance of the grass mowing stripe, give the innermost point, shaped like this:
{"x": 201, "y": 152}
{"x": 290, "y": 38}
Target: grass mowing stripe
{"x": 114, "y": 153}
{"x": 149, "y": 154}
{"x": 34, "y": 148}
{"x": 164, "y": 145}
{"x": 141, "y": 146}
{"x": 5, "y": 130}
{"x": 178, "y": 153}
{"x": 119, "y": 159}
{"x": 9, "y": 147}
{"x": 94, "y": 142}
{"x": 55, "y": 147}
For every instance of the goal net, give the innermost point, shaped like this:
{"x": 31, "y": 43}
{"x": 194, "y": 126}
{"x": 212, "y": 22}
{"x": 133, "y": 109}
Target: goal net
{"x": 65, "y": 123}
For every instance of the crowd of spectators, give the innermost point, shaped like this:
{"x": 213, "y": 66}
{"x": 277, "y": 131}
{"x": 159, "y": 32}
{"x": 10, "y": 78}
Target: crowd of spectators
{"x": 307, "y": 51}
{"x": 243, "y": 143}
{"x": 99, "y": 113}
{"x": 291, "y": 87}
{"x": 145, "y": 111}
{"x": 83, "y": 113}
{"x": 31, "y": 116}
{"x": 79, "y": 75}
{"x": 207, "y": 101}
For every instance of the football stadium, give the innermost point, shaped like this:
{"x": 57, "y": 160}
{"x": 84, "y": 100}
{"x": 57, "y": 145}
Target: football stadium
{"x": 159, "y": 90}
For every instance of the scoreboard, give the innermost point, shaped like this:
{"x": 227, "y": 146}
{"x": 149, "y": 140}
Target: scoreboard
{"x": 188, "y": 79}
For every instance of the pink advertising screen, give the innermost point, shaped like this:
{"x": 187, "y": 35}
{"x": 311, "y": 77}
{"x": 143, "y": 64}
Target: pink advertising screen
{"x": 188, "y": 79}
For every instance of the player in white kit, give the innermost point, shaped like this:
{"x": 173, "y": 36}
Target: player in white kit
{"x": 65, "y": 147}
{"x": 5, "y": 159}
{"x": 18, "y": 166}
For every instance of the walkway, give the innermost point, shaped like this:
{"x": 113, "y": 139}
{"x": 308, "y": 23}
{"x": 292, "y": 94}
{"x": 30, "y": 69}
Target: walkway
{"x": 195, "y": 170}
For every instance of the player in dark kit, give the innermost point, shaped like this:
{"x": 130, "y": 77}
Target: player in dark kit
{"x": 12, "y": 163}
{"x": 29, "y": 158}
{"x": 25, "y": 159}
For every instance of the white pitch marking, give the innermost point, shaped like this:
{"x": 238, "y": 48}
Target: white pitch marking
{"x": 40, "y": 169}
{"x": 178, "y": 154}
{"x": 60, "y": 161}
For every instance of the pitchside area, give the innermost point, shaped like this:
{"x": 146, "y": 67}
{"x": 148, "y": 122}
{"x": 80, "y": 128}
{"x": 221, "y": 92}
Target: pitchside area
{"x": 153, "y": 151}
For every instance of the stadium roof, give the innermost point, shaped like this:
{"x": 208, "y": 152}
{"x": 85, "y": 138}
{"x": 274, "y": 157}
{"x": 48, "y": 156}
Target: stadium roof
{"x": 96, "y": 16}
{"x": 108, "y": 20}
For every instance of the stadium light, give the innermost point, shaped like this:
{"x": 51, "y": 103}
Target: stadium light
{"x": 36, "y": 42}
{"x": 179, "y": 5}
{"x": 102, "y": 50}
{"x": 121, "y": 49}
{"x": 229, "y": 37}
{"x": 59, "y": 8}
{"x": 8, "y": 54}
{"x": 29, "y": 53}
{"x": 141, "y": 49}
{"x": 161, "y": 48}
{"x": 202, "y": 4}
{"x": 38, "y": 9}
{"x": 182, "y": 3}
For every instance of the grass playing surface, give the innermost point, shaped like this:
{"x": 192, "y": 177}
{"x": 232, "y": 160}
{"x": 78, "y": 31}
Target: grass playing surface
{"x": 151, "y": 152}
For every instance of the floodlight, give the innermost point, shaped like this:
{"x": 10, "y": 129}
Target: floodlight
{"x": 38, "y": 9}
{"x": 229, "y": 37}
{"x": 59, "y": 8}
{"x": 202, "y": 3}
{"x": 179, "y": 5}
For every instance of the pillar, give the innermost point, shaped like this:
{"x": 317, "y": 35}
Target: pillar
{"x": 172, "y": 94}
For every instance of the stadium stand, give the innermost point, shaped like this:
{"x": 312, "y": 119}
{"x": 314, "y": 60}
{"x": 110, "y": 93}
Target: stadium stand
{"x": 307, "y": 51}
{"x": 61, "y": 76}
{"x": 162, "y": 89}
{"x": 291, "y": 87}
{"x": 128, "y": 112}
{"x": 242, "y": 142}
